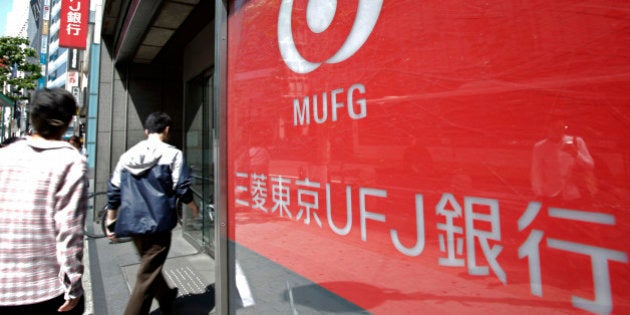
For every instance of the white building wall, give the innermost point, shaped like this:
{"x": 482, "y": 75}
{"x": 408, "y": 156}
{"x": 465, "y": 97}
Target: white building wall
{"x": 58, "y": 56}
{"x": 17, "y": 20}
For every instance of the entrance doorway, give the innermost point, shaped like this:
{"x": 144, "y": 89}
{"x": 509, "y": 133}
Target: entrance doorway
{"x": 198, "y": 122}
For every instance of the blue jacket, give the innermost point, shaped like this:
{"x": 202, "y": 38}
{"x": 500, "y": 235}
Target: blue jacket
{"x": 145, "y": 186}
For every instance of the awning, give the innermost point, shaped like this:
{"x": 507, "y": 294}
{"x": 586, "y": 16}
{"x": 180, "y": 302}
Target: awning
{"x": 147, "y": 27}
{"x": 6, "y": 101}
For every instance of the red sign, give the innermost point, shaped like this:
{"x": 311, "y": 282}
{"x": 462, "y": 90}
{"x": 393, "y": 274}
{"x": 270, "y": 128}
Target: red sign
{"x": 73, "y": 78}
{"x": 435, "y": 156}
{"x": 73, "y": 25}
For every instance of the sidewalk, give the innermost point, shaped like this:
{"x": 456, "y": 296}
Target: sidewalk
{"x": 112, "y": 270}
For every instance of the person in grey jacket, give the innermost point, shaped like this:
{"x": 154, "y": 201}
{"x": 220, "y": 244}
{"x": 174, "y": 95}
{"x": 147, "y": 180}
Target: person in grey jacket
{"x": 141, "y": 201}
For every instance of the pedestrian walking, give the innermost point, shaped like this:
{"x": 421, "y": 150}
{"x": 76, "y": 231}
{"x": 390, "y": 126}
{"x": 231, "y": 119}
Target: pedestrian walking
{"x": 43, "y": 202}
{"x": 141, "y": 201}
{"x": 76, "y": 142}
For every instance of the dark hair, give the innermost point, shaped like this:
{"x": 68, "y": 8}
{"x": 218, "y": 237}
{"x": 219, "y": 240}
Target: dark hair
{"x": 157, "y": 122}
{"x": 52, "y": 111}
{"x": 75, "y": 141}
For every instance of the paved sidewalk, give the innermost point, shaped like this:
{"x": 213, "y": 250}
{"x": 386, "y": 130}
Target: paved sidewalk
{"x": 112, "y": 269}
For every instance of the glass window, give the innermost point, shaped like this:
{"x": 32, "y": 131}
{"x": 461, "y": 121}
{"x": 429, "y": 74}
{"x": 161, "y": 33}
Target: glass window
{"x": 198, "y": 151}
{"x": 397, "y": 157}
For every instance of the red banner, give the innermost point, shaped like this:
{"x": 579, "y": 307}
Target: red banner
{"x": 436, "y": 156}
{"x": 73, "y": 28}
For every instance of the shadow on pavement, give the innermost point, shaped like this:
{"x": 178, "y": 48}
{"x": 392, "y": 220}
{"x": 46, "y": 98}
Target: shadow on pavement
{"x": 193, "y": 304}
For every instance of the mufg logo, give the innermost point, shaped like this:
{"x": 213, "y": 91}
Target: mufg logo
{"x": 319, "y": 16}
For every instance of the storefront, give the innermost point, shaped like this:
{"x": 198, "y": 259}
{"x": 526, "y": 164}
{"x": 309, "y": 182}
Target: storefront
{"x": 389, "y": 157}
{"x": 6, "y": 114}
{"x": 198, "y": 149}
{"x": 436, "y": 157}
{"x": 157, "y": 55}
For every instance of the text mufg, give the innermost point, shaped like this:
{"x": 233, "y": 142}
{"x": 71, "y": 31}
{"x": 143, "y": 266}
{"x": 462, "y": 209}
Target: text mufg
{"x": 317, "y": 106}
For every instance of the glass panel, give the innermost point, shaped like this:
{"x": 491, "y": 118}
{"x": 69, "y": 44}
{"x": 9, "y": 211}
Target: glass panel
{"x": 208, "y": 158}
{"x": 443, "y": 157}
{"x": 197, "y": 149}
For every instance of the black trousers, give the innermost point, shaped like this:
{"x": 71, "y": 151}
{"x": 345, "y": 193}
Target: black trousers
{"x": 150, "y": 282}
{"x": 43, "y": 308}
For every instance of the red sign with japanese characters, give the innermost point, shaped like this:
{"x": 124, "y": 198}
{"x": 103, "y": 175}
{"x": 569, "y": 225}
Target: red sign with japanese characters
{"x": 73, "y": 23}
{"x": 435, "y": 156}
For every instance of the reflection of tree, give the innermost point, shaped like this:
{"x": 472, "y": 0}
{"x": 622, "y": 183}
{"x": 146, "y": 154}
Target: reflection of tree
{"x": 562, "y": 166}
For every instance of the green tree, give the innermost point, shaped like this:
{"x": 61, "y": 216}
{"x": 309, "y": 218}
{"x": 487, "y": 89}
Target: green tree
{"x": 16, "y": 56}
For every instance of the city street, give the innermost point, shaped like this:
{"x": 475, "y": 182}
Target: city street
{"x": 111, "y": 269}
{"x": 321, "y": 156}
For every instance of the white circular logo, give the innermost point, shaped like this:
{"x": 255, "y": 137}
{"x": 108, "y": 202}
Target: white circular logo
{"x": 319, "y": 16}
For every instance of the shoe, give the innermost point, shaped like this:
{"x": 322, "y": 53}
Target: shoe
{"x": 169, "y": 306}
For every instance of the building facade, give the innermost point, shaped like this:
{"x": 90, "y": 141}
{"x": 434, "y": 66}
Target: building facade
{"x": 12, "y": 113}
{"x": 387, "y": 157}
{"x": 17, "y": 20}
{"x": 158, "y": 55}
{"x": 62, "y": 67}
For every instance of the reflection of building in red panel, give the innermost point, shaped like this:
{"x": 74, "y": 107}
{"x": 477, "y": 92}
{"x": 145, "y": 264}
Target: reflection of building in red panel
{"x": 404, "y": 152}
{"x": 387, "y": 157}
